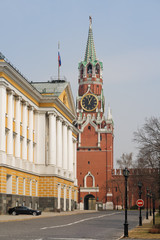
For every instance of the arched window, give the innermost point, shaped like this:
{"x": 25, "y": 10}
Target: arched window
{"x": 97, "y": 69}
{"x": 89, "y": 69}
{"x": 81, "y": 71}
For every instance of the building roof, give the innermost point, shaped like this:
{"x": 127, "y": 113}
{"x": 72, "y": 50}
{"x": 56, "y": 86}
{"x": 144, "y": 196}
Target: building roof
{"x": 54, "y": 87}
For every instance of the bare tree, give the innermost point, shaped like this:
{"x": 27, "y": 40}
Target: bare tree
{"x": 148, "y": 139}
{"x": 126, "y": 160}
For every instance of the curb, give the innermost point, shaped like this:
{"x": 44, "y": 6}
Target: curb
{"x": 10, "y": 218}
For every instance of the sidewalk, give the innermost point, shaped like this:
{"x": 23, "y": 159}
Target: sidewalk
{"x": 141, "y": 232}
{"x": 8, "y": 218}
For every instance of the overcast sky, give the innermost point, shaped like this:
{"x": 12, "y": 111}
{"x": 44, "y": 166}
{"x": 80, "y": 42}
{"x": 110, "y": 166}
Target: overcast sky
{"x": 127, "y": 41}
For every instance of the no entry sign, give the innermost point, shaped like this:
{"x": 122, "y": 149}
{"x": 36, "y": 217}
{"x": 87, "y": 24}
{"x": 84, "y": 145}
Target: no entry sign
{"x": 140, "y": 203}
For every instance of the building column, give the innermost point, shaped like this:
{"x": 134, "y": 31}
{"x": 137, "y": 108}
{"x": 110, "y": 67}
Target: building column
{"x": 10, "y": 123}
{"x": 52, "y": 138}
{"x": 17, "y": 128}
{"x": 70, "y": 198}
{"x": 64, "y": 146}
{"x": 59, "y": 141}
{"x": 2, "y": 115}
{"x": 70, "y": 149}
{"x": 59, "y": 196}
{"x": 64, "y": 192}
{"x": 24, "y": 131}
{"x": 30, "y": 134}
{"x": 79, "y": 139}
{"x": 99, "y": 140}
{"x": 75, "y": 161}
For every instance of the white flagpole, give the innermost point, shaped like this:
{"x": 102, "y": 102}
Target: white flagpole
{"x": 58, "y": 62}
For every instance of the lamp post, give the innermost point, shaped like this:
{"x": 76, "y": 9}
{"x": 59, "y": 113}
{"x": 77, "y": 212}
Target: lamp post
{"x": 147, "y": 195}
{"x": 126, "y": 175}
{"x": 153, "y": 198}
{"x": 140, "y": 193}
{"x": 150, "y": 195}
{"x": 159, "y": 180}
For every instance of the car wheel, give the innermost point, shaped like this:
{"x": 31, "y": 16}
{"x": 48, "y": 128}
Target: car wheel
{"x": 34, "y": 214}
{"x": 13, "y": 213}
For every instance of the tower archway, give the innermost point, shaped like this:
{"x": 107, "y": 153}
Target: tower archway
{"x": 89, "y": 202}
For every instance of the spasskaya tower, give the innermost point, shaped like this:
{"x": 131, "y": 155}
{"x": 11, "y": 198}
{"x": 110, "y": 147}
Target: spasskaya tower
{"x": 95, "y": 142}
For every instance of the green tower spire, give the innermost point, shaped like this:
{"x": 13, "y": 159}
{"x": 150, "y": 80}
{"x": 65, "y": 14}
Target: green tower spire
{"x": 90, "y": 55}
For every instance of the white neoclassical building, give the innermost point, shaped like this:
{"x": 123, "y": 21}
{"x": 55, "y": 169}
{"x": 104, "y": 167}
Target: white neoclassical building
{"x": 38, "y": 158}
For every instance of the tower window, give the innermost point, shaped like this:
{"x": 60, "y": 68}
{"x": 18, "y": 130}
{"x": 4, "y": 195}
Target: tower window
{"x": 89, "y": 127}
{"x": 81, "y": 71}
{"x": 88, "y": 162}
{"x": 89, "y": 69}
{"x": 97, "y": 69}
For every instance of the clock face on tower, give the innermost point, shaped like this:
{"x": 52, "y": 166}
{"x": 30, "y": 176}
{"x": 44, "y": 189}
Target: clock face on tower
{"x": 89, "y": 102}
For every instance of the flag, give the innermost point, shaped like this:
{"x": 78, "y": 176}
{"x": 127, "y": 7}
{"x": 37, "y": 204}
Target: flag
{"x": 59, "y": 59}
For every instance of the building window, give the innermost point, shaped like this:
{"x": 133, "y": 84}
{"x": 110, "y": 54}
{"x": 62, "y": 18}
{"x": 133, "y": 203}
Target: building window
{"x": 17, "y": 185}
{"x": 36, "y": 188}
{"x": 9, "y": 184}
{"x": 89, "y": 69}
{"x": 97, "y": 69}
{"x": 24, "y": 186}
{"x": 89, "y": 127}
{"x": 30, "y": 188}
{"x": 36, "y": 206}
{"x": 88, "y": 162}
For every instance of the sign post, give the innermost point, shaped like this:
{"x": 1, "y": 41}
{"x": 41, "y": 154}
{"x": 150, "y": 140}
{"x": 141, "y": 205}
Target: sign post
{"x": 140, "y": 203}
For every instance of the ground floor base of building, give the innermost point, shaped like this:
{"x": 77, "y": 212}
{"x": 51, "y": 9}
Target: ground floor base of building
{"x": 42, "y": 203}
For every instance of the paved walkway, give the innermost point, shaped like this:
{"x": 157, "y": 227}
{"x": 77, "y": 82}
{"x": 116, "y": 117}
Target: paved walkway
{"x": 7, "y": 217}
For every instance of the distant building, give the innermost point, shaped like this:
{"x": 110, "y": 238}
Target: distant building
{"x": 37, "y": 142}
{"x": 95, "y": 142}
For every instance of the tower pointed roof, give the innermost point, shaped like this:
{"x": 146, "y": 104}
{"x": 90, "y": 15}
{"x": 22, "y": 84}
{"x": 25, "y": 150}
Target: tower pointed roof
{"x": 90, "y": 55}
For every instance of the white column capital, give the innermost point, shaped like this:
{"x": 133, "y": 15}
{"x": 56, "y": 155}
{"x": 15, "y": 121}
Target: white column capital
{"x": 70, "y": 128}
{"x": 18, "y": 98}
{"x": 64, "y": 123}
{"x": 52, "y": 113}
{"x": 59, "y": 118}
{"x": 31, "y": 108}
{"x": 10, "y": 92}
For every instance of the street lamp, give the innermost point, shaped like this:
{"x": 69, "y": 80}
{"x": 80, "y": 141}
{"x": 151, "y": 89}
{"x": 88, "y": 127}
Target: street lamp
{"x": 126, "y": 175}
{"x": 147, "y": 195}
{"x": 153, "y": 198}
{"x": 150, "y": 203}
{"x": 140, "y": 192}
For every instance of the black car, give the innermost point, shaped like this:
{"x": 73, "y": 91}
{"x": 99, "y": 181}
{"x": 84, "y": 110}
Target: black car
{"x": 23, "y": 210}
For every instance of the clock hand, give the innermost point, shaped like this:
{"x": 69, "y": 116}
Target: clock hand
{"x": 89, "y": 102}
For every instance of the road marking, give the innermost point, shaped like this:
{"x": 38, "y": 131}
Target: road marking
{"x": 74, "y": 238}
{"x": 83, "y": 220}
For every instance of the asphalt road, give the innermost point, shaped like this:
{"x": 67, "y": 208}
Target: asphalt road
{"x": 97, "y": 225}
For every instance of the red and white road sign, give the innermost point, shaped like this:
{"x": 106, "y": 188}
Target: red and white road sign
{"x": 140, "y": 203}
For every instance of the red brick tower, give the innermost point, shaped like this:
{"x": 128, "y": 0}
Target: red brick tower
{"x": 95, "y": 143}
